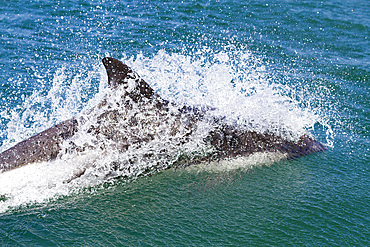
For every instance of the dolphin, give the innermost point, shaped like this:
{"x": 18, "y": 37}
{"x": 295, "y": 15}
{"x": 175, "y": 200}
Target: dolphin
{"x": 132, "y": 114}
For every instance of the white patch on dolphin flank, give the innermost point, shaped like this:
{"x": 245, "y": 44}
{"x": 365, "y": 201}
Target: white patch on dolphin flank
{"x": 239, "y": 163}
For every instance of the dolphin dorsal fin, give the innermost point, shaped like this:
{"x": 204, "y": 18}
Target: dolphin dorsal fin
{"x": 119, "y": 73}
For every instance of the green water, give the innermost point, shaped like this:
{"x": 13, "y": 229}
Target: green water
{"x": 279, "y": 205}
{"x": 320, "y": 50}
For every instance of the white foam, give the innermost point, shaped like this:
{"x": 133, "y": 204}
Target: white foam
{"x": 34, "y": 183}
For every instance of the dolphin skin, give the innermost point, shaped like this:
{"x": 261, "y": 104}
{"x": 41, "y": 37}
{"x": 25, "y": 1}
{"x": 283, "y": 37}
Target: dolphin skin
{"x": 138, "y": 115}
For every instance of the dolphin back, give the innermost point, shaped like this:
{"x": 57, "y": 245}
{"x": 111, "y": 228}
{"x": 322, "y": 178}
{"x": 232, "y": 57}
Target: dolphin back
{"x": 44, "y": 146}
{"x": 230, "y": 141}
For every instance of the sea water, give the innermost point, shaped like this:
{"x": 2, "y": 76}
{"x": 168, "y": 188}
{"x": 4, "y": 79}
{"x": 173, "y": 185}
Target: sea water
{"x": 286, "y": 66}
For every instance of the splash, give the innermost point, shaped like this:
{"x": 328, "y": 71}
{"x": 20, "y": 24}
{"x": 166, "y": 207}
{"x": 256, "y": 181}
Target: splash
{"x": 233, "y": 81}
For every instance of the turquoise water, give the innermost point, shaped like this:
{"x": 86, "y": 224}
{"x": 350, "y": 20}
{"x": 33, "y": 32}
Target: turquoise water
{"x": 304, "y": 62}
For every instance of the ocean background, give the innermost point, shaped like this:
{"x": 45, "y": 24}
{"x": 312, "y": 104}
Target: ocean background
{"x": 303, "y": 65}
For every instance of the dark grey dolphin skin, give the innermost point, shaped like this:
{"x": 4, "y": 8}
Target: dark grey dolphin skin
{"x": 227, "y": 140}
{"x": 44, "y": 146}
